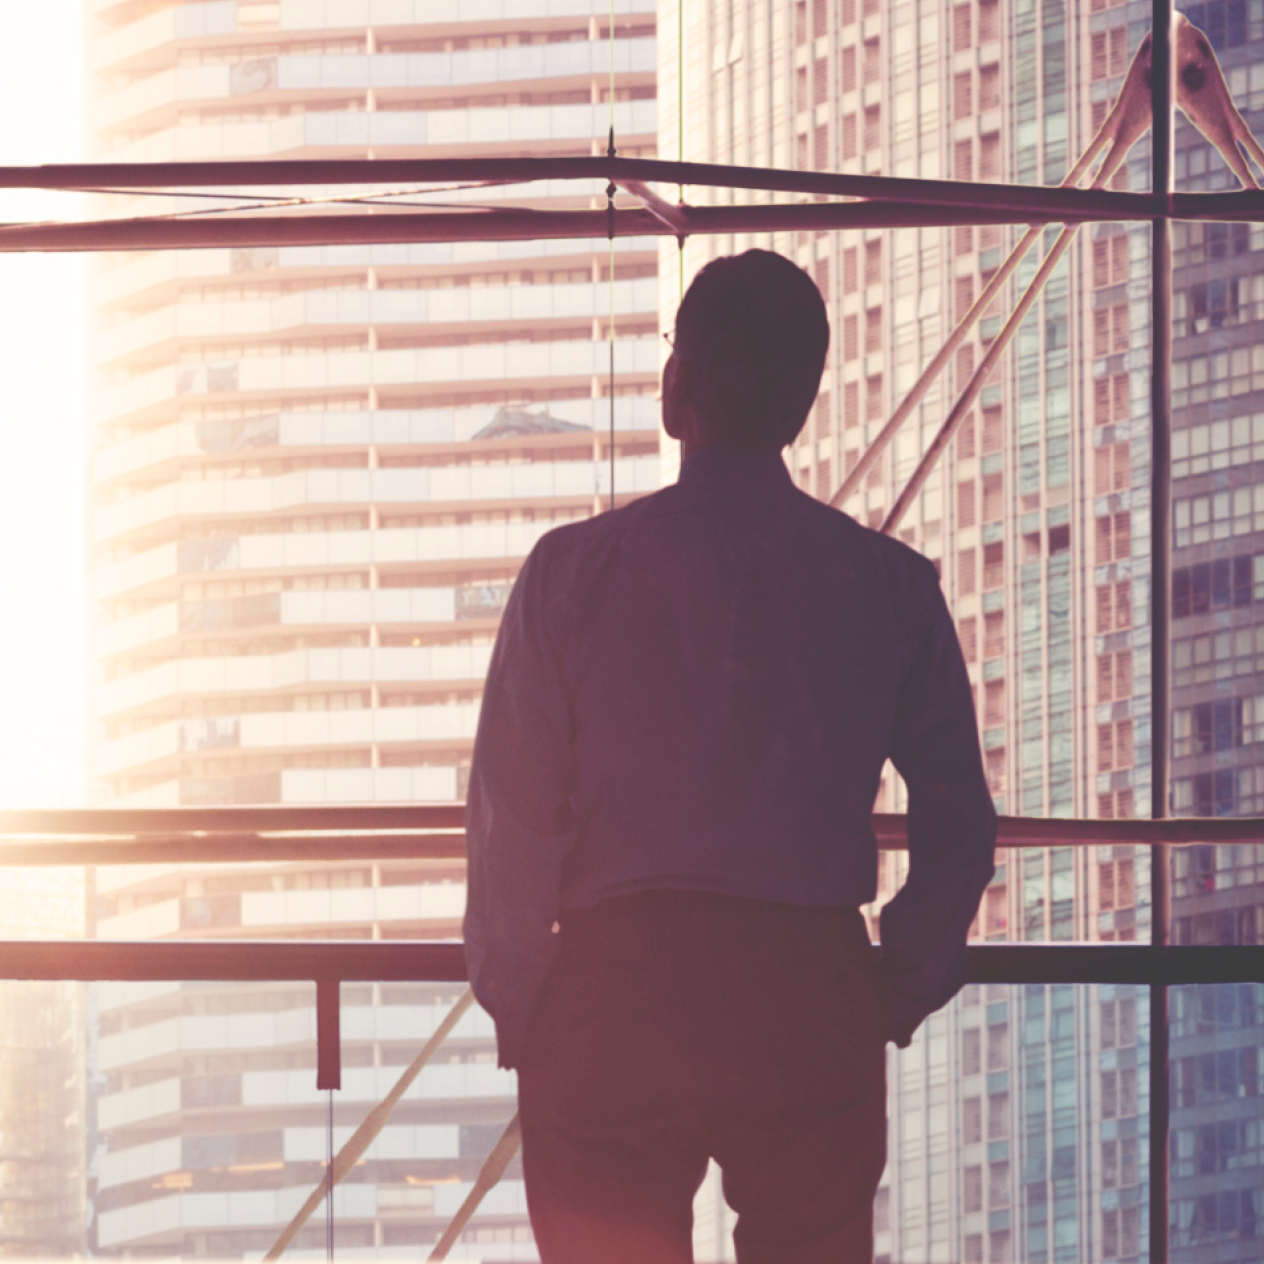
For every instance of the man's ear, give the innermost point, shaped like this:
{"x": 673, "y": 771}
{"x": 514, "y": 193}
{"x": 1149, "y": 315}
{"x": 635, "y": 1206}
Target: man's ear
{"x": 673, "y": 398}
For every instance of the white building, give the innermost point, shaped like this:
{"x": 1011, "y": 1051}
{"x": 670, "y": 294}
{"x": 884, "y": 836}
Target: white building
{"x": 316, "y": 473}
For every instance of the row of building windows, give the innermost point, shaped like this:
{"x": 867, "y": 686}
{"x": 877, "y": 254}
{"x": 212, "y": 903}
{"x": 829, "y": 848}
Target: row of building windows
{"x": 1198, "y": 660}
{"x": 1218, "y": 515}
{"x": 1222, "y": 584}
{"x": 1221, "y": 792}
{"x": 1227, "y": 1075}
{"x": 1201, "y": 379}
{"x": 1221, "y": 724}
{"x": 1217, "y": 445}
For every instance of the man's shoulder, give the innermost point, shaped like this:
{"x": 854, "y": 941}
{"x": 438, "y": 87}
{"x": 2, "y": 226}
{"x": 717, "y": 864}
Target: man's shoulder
{"x": 898, "y": 561}
{"x": 574, "y": 540}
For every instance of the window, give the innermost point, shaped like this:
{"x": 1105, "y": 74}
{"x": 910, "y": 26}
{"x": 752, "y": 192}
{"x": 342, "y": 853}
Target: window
{"x": 990, "y": 157}
{"x": 960, "y": 27}
{"x": 1110, "y": 1170}
{"x": 849, "y": 139}
{"x": 1218, "y": 515}
{"x": 873, "y": 127}
{"x": 998, "y": 1184}
{"x": 993, "y": 558}
{"x": 994, "y": 634}
{"x": 989, "y": 87}
{"x": 1111, "y": 399}
{"x": 1114, "y": 676}
{"x": 873, "y": 60}
{"x": 963, "y": 164}
{"x": 1220, "y": 585}
{"x": 966, "y": 506}
{"x": 851, "y": 337}
{"x": 972, "y": 1189}
{"x": 849, "y": 68}
{"x": 1218, "y": 655}
{"x": 971, "y": 1062}
{"x": 1113, "y": 538}
{"x": 998, "y": 1046}
{"x": 873, "y": 262}
{"x": 971, "y": 1121}
{"x": 967, "y": 632}
{"x": 1116, "y": 889}
{"x": 993, "y": 703}
{"x": 992, "y": 434}
{"x": 998, "y": 1116}
{"x": 850, "y": 270}
{"x": 962, "y": 95}
{"x": 1109, "y": 1095}
{"x": 965, "y": 438}
{"x": 873, "y": 330}
{"x": 873, "y": 399}
{"x": 993, "y": 508}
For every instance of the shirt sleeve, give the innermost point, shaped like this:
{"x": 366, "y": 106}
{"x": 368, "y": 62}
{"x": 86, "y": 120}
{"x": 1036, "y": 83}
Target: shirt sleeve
{"x": 519, "y": 815}
{"x": 951, "y": 826}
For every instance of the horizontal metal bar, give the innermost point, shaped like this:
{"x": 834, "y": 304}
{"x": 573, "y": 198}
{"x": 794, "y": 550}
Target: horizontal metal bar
{"x": 84, "y": 822}
{"x": 207, "y": 836}
{"x": 1081, "y": 203}
{"x": 222, "y": 849}
{"x": 235, "y": 960}
{"x": 512, "y": 224}
{"x": 443, "y": 961}
{"x": 1114, "y": 963}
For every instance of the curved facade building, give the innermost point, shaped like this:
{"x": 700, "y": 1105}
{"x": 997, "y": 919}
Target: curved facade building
{"x": 316, "y": 473}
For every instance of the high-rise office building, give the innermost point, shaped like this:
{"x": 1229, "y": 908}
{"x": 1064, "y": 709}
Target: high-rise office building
{"x": 316, "y": 473}
{"x": 1019, "y": 1116}
{"x": 42, "y": 1082}
{"x": 1218, "y": 677}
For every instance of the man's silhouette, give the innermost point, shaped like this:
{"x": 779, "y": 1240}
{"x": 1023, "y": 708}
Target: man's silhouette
{"x": 686, "y": 717}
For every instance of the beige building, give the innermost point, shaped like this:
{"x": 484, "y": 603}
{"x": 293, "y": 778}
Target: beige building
{"x": 316, "y": 473}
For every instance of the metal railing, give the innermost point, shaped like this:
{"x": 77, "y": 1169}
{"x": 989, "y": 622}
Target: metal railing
{"x": 236, "y": 835}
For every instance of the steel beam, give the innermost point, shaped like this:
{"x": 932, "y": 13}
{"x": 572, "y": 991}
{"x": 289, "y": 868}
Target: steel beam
{"x": 443, "y": 961}
{"x": 1162, "y": 97}
{"x": 407, "y": 172}
{"x": 212, "y": 836}
{"x": 509, "y": 224}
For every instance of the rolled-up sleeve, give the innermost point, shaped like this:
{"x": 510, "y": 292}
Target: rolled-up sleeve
{"x": 519, "y": 814}
{"x": 951, "y": 823}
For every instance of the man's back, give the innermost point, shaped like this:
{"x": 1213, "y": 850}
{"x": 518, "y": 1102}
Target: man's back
{"x": 731, "y": 650}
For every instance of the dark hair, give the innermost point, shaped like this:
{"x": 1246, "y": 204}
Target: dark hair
{"x": 751, "y": 338}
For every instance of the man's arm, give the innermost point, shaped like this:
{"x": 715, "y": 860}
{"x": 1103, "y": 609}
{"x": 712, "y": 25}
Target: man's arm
{"x": 519, "y": 824}
{"x": 951, "y": 826}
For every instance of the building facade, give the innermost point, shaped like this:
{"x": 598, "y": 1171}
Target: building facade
{"x": 315, "y": 475}
{"x": 1019, "y": 1115}
{"x": 1217, "y": 761}
{"x": 43, "y": 1212}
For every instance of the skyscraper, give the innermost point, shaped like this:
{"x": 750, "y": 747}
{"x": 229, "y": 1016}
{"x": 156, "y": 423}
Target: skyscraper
{"x": 42, "y": 1082}
{"x": 316, "y": 472}
{"x": 1019, "y": 1117}
{"x": 1217, "y": 669}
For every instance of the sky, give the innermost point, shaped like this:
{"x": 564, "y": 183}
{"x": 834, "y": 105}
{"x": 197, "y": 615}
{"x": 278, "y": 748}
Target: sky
{"x": 43, "y": 425}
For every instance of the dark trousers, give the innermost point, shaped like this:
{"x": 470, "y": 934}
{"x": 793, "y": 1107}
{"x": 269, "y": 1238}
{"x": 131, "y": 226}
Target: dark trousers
{"x": 677, "y": 1027}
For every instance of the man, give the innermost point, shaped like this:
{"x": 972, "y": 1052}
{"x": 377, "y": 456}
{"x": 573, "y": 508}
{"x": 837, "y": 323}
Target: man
{"x": 686, "y": 717}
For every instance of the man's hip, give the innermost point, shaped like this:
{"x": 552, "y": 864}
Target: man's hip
{"x": 680, "y": 1026}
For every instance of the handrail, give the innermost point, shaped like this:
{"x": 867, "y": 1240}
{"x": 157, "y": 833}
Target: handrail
{"x": 443, "y": 961}
{"x": 212, "y": 836}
